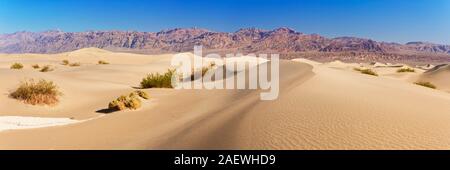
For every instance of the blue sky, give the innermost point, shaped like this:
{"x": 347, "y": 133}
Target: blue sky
{"x": 383, "y": 20}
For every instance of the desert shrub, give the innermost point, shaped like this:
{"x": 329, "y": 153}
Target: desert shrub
{"x": 142, "y": 94}
{"x": 366, "y": 71}
{"x": 134, "y": 102}
{"x": 119, "y": 103}
{"x": 212, "y": 64}
{"x": 46, "y": 68}
{"x": 123, "y": 102}
{"x": 102, "y": 62}
{"x": 358, "y": 69}
{"x": 369, "y": 72}
{"x": 156, "y": 80}
{"x": 74, "y": 64}
{"x": 65, "y": 62}
{"x": 402, "y": 70}
{"x": 426, "y": 84}
{"x": 203, "y": 71}
{"x": 35, "y": 66}
{"x": 40, "y": 92}
{"x": 16, "y": 66}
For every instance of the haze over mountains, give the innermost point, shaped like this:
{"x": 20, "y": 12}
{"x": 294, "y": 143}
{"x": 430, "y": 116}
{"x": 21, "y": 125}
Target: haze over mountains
{"x": 289, "y": 43}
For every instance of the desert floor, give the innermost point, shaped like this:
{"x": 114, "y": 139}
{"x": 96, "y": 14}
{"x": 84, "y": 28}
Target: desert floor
{"x": 320, "y": 106}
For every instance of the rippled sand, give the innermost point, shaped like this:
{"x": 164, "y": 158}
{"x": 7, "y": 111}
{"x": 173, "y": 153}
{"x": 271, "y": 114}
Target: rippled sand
{"x": 320, "y": 106}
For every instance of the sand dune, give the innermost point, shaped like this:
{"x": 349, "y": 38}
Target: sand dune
{"x": 320, "y": 106}
{"x": 439, "y": 75}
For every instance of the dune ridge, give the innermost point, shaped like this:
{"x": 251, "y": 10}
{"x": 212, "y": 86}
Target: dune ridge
{"x": 320, "y": 106}
{"x": 439, "y": 75}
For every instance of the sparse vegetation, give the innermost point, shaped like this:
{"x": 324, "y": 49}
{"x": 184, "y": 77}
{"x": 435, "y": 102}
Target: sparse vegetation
{"x": 40, "y": 92}
{"x": 203, "y": 72}
{"x": 65, "y": 62}
{"x": 118, "y": 104}
{"x": 102, "y": 62}
{"x": 35, "y": 66}
{"x": 358, "y": 69}
{"x": 426, "y": 84}
{"x": 369, "y": 72}
{"x": 16, "y": 66}
{"x": 74, "y": 64}
{"x": 366, "y": 71}
{"x": 132, "y": 101}
{"x": 46, "y": 68}
{"x": 142, "y": 94}
{"x": 407, "y": 69}
{"x": 156, "y": 80}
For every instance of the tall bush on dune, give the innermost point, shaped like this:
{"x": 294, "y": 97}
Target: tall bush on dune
{"x": 157, "y": 80}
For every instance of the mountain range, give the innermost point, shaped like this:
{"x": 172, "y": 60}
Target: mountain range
{"x": 285, "y": 41}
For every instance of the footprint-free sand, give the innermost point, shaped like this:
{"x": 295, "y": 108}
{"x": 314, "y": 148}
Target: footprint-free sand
{"x": 320, "y": 106}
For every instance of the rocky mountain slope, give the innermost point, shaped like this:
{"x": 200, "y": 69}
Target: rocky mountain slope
{"x": 287, "y": 42}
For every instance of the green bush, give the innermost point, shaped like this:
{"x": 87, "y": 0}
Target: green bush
{"x": 156, "y": 80}
{"x": 40, "y": 92}
{"x": 402, "y": 70}
{"x": 16, "y": 66}
{"x": 426, "y": 84}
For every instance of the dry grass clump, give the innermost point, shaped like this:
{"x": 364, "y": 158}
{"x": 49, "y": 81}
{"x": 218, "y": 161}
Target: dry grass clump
{"x": 16, "y": 66}
{"x": 426, "y": 84}
{"x": 132, "y": 101}
{"x": 402, "y": 70}
{"x": 366, "y": 71}
{"x": 125, "y": 102}
{"x": 203, "y": 71}
{"x": 65, "y": 62}
{"x": 74, "y": 64}
{"x": 35, "y": 66}
{"x": 40, "y": 92}
{"x": 369, "y": 72}
{"x": 142, "y": 94}
{"x": 156, "y": 80}
{"x": 102, "y": 62}
{"x": 358, "y": 69}
{"x": 46, "y": 68}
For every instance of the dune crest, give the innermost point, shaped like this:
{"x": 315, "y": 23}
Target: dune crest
{"x": 320, "y": 106}
{"x": 438, "y": 75}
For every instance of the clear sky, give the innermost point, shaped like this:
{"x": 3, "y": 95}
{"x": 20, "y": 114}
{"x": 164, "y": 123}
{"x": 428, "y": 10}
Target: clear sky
{"x": 383, "y": 20}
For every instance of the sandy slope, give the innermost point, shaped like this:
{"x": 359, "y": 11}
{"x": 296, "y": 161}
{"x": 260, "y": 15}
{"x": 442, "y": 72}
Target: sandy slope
{"x": 440, "y": 76}
{"x": 320, "y": 106}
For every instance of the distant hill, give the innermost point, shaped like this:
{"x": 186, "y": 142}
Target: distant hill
{"x": 287, "y": 42}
